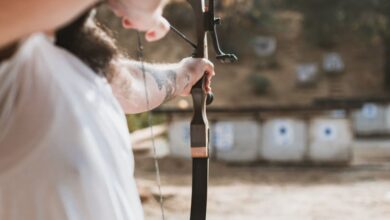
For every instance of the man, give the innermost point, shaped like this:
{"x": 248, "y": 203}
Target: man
{"x": 63, "y": 137}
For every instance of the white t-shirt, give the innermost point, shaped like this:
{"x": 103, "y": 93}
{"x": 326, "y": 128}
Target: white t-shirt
{"x": 64, "y": 143}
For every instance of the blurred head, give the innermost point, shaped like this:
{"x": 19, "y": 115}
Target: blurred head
{"x": 143, "y": 15}
{"x": 89, "y": 41}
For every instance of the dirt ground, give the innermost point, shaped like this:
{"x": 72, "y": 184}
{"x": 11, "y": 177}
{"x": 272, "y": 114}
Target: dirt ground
{"x": 360, "y": 191}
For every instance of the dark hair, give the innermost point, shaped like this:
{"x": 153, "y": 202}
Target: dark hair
{"x": 91, "y": 44}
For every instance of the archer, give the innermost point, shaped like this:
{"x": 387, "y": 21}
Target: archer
{"x": 63, "y": 136}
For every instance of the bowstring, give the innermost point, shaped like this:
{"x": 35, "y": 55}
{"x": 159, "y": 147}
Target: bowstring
{"x": 149, "y": 113}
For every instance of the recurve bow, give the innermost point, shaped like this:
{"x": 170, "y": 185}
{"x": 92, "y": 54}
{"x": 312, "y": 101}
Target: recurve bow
{"x": 206, "y": 23}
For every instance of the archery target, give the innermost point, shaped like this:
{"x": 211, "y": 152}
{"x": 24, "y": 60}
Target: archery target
{"x": 332, "y": 62}
{"x": 370, "y": 120}
{"x": 179, "y": 138}
{"x": 264, "y": 46}
{"x": 330, "y": 140}
{"x": 223, "y": 137}
{"x": 236, "y": 140}
{"x": 283, "y": 133}
{"x": 370, "y": 111}
{"x": 327, "y": 132}
{"x": 283, "y": 140}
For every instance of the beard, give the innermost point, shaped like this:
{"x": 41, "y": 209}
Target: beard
{"x": 88, "y": 40}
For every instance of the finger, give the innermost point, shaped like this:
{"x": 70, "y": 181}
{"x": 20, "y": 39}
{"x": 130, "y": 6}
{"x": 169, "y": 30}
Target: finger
{"x": 209, "y": 67}
{"x": 208, "y": 89}
{"x": 208, "y": 76}
{"x": 207, "y": 85}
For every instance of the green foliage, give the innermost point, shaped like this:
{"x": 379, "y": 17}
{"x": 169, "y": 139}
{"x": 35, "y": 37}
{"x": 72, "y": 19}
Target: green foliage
{"x": 323, "y": 20}
{"x": 260, "y": 15}
{"x": 139, "y": 121}
{"x": 259, "y": 83}
{"x": 326, "y": 20}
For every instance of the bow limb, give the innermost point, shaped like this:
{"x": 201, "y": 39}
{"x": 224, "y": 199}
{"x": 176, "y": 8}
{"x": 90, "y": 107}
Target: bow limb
{"x": 199, "y": 128}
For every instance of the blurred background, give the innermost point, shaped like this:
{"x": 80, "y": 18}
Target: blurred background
{"x": 300, "y": 125}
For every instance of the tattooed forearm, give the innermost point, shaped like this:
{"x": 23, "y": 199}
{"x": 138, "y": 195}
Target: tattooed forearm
{"x": 165, "y": 79}
{"x": 170, "y": 87}
{"x": 143, "y": 86}
{"x": 163, "y": 82}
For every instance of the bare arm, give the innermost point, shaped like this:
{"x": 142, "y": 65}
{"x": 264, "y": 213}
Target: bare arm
{"x": 20, "y": 18}
{"x": 163, "y": 82}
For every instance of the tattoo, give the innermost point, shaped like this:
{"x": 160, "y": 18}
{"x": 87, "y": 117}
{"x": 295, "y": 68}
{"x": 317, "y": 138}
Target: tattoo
{"x": 164, "y": 79}
{"x": 187, "y": 80}
{"x": 170, "y": 87}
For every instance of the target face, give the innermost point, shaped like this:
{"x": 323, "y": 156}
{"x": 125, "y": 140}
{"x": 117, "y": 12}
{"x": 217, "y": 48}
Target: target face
{"x": 283, "y": 133}
{"x": 327, "y": 132}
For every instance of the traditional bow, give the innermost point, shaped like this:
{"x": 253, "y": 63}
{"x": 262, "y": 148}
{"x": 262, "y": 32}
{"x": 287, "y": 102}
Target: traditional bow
{"x": 206, "y": 22}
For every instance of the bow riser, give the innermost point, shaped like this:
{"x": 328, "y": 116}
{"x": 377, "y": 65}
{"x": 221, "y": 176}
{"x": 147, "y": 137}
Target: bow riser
{"x": 199, "y": 129}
